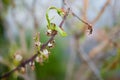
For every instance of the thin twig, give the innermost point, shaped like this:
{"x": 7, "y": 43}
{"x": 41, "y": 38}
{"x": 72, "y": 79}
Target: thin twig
{"x": 66, "y": 13}
{"x": 85, "y": 22}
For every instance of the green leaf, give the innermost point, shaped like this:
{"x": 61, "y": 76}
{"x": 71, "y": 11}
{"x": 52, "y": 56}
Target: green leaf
{"x": 59, "y": 11}
{"x": 62, "y": 33}
{"x": 53, "y": 26}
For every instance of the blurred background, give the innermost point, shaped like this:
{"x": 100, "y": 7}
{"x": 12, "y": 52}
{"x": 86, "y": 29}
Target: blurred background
{"x": 79, "y": 56}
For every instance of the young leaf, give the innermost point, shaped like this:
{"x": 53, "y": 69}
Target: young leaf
{"x": 59, "y": 11}
{"x": 62, "y": 33}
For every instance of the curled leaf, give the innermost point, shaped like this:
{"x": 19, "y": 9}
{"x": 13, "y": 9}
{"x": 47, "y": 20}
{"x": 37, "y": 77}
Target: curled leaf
{"x": 59, "y": 11}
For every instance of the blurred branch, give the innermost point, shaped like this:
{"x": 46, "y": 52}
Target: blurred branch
{"x": 86, "y": 58}
{"x": 33, "y": 14}
{"x": 85, "y": 3}
{"x": 63, "y": 3}
{"x": 71, "y": 61}
{"x": 21, "y": 34}
{"x": 101, "y": 12}
{"x": 82, "y": 72}
{"x": 98, "y": 48}
{"x": 107, "y": 41}
{"x": 32, "y": 11}
{"x": 90, "y": 63}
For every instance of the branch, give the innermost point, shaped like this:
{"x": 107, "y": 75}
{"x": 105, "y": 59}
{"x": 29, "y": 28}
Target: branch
{"x": 64, "y": 18}
{"x": 85, "y": 22}
{"x": 34, "y": 56}
{"x": 101, "y": 12}
{"x": 90, "y": 63}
